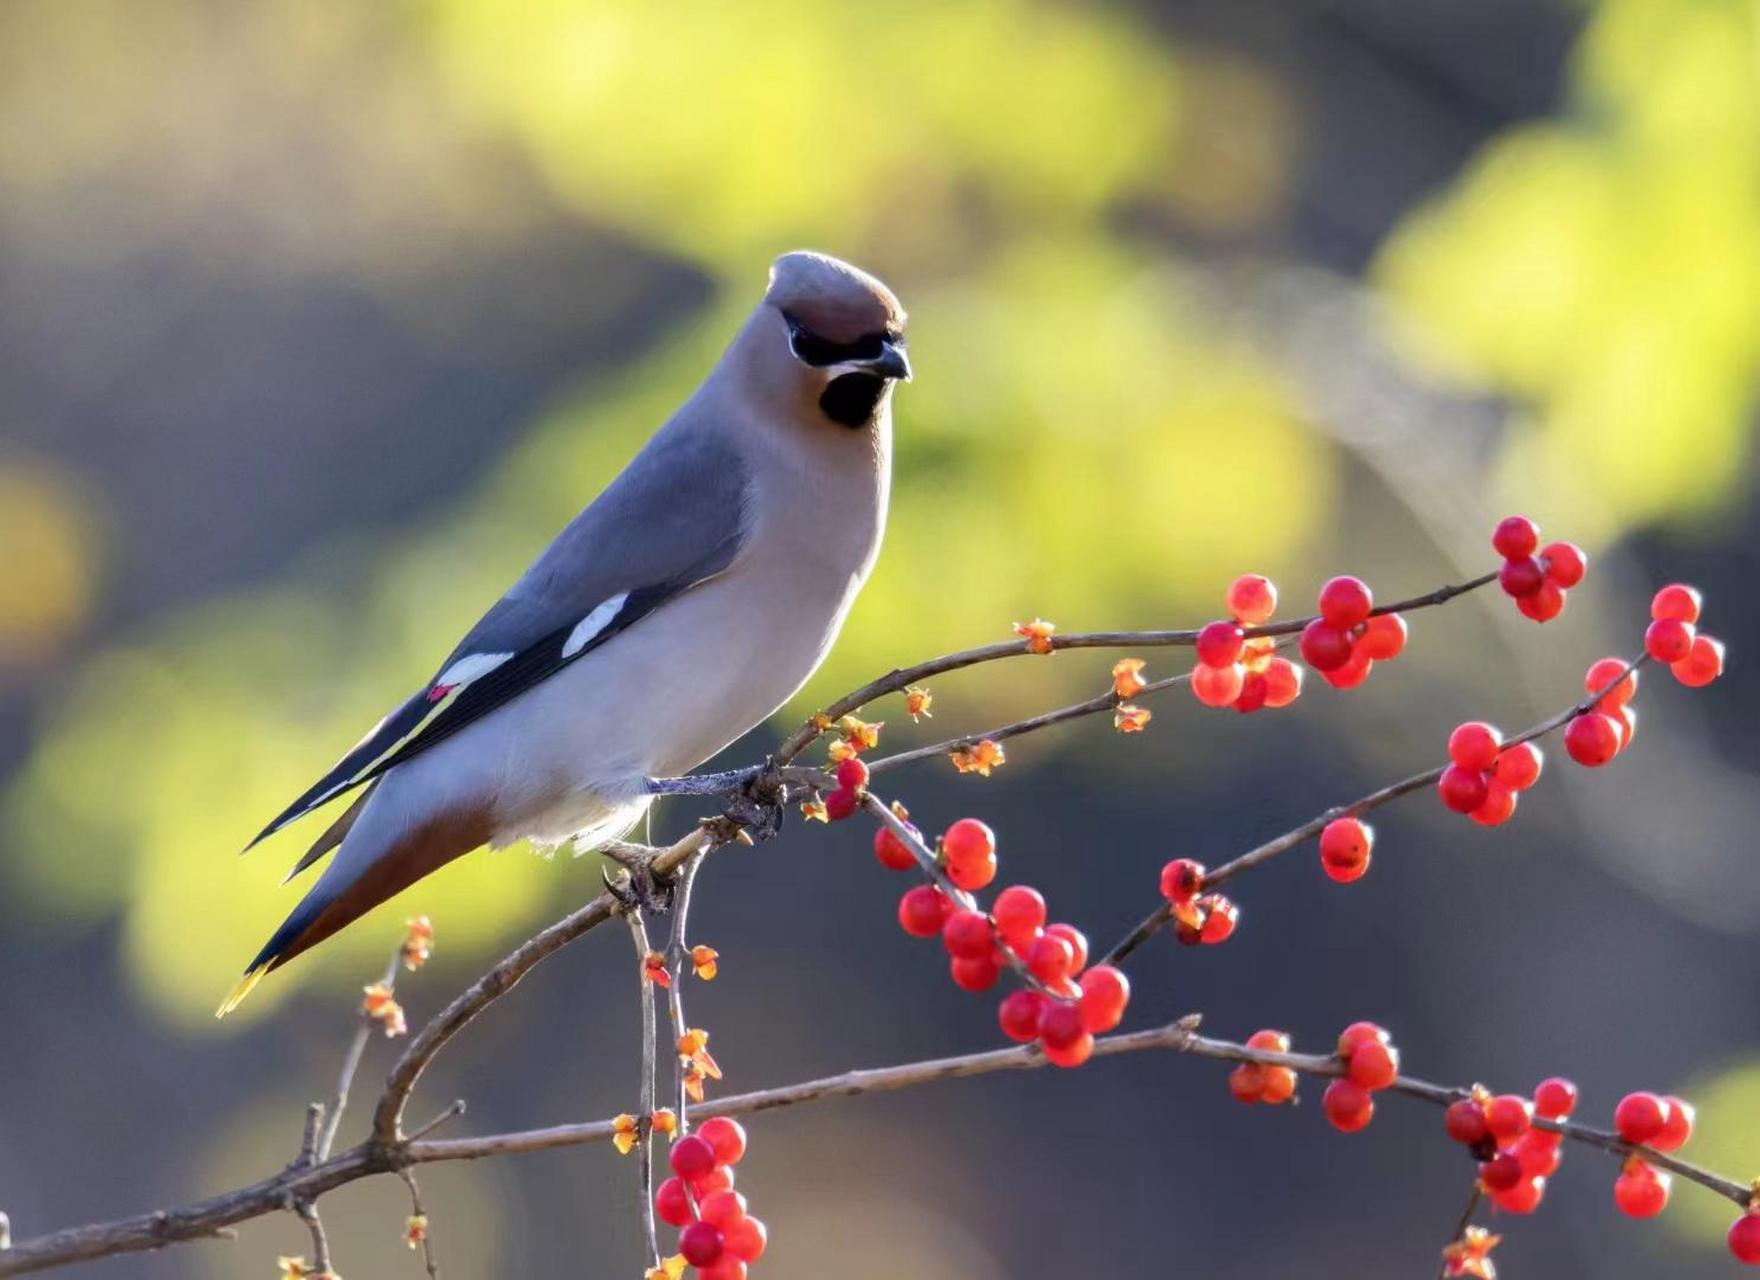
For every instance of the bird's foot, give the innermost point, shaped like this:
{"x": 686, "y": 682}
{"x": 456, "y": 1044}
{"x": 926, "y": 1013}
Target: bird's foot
{"x": 634, "y": 883}
{"x": 758, "y": 805}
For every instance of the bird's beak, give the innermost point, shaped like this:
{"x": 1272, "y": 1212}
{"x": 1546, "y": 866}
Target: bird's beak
{"x": 892, "y": 362}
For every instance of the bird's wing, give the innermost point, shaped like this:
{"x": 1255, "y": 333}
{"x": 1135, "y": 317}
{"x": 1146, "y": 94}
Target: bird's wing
{"x": 673, "y": 519}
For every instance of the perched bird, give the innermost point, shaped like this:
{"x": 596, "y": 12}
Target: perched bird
{"x": 681, "y": 608}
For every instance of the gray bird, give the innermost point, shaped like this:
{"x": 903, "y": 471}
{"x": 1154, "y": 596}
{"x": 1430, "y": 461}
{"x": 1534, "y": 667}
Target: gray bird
{"x": 687, "y": 603}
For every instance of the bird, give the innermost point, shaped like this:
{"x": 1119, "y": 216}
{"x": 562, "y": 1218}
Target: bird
{"x": 682, "y": 607}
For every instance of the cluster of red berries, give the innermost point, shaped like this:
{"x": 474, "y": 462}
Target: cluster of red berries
{"x": 1345, "y": 845}
{"x": 1234, "y": 671}
{"x": 1371, "y": 1064}
{"x": 1596, "y": 737}
{"x": 718, "y": 1238}
{"x": 1515, "y": 1157}
{"x": 1673, "y": 636}
{"x": 1070, "y": 1001}
{"x": 1264, "y": 1081}
{"x": 1662, "y": 1124}
{"x": 1345, "y": 641}
{"x": 1536, "y": 577}
{"x": 1198, "y": 917}
{"x": 1484, "y": 778}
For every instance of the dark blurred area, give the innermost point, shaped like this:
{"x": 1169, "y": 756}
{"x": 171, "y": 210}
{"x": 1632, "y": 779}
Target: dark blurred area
{"x": 316, "y": 321}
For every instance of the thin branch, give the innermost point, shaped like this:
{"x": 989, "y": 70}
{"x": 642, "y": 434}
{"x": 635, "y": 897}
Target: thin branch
{"x": 1153, "y": 922}
{"x": 676, "y": 954}
{"x": 897, "y": 679}
{"x": 418, "y": 1214}
{"x": 650, "y": 1065}
{"x": 1463, "y": 1222}
{"x": 351, "y": 1062}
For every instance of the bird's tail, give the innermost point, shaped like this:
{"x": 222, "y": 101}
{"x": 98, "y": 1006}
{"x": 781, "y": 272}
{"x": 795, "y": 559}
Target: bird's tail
{"x": 342, "y": 895}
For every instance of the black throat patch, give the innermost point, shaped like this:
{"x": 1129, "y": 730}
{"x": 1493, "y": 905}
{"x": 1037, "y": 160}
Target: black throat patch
{"x": 851, "y": 398}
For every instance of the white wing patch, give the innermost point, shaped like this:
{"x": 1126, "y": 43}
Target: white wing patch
{"x": 593, "y": 624}
{"x": 473, "y": 666}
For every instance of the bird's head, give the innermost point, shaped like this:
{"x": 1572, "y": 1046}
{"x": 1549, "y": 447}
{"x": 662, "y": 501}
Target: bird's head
{"x": 832, "y": 337}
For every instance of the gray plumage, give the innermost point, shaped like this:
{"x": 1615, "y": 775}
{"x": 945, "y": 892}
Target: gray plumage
{"x": 682, "y": 607}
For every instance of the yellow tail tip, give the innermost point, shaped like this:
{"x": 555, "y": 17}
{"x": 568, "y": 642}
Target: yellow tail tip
{"x": 236, "y": 996}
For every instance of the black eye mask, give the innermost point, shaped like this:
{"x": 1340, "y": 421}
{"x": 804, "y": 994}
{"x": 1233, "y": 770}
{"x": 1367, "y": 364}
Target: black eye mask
{"x": 819, "y": 352}
{"x": 851, "y": 399}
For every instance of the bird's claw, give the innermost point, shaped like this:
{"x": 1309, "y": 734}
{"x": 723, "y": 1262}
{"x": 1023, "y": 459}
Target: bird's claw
{"x": 636, "y": 887}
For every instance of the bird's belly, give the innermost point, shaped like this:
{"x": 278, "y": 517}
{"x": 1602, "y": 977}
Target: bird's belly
{"x": 656, "y": 701}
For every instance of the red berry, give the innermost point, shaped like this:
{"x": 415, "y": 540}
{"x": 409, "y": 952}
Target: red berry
{"x": 1352, "y": 673}
{"x": 1565, "y": 563}
{"x": 974, "y": 973}
{"x": 1465, "y": 1121}
{"x": 1105, "y": 992}
{"x": 1678, "y": 1127}
{"x": 1555, "y": 1098}
{"x": 1345, "y": 601}
{"x": 1524, "y": 1197}
{"x": 1345, "y": 845}
{"x": 967, "y": 934}
{"x": 1078, "y": 943}
{"x": 1218, "y": 686}
{"x": 726, "y": 1136}
{"x": 1518, "y": 768}
{"x": 1500, "y": 1173}
{"x": 1373, "y": 1065}
{"x": 1019, "y": 912}
{"x": 1252, "y": 599}
{"x": 692, "y": 1158}
{"x": 1522, "y": 577}
{"x": 1462, "y": 790}
{"x": 1325, "y": 647}
{"x": 1019, "y": 1015}
{"x": 1744, "y": 1237}
{"x": 1073, "y": 1054}
{"x": 1475, "y": 745}
{"x": 1348, "y": 1106}
{"x": 672, "y": 1204}
{"x": 1515, "y": 537}
{"x": 923, "y": 910}
{"x": 1641, "y": 1192}
{"x": 701, "y": 1244}
{"x": 1270, "y": 1038}
{"x": 1220, "y": 918}
{"x": 1678, "y": 601}
{"x": 1385, "y": 637}
{"x": 1639, "y": 1117}
{"x": 1060, "y": 1024}
{"x": 893, "y": 852}
{"x": 1499, "y": 806}
{"x": 1361, "y": 1033}
{"x": 1050, "y": 959}
{"x": 1669, "y": 639}
{"x": 852, "y": 774}
{"x": 840, "y": 804}
{"x": 728, "y": 1268}
{"x": 1545, "y": 604}
{"x": 1247, "y": 1082}
{"x": 1703, "y": 665}
{"x": 1602, "y": 673}
{"x": 1283, "y": 682}
{"x": 1220, "y": 644}
{"x": 1181, "y": 880}
{"x": 1255, "y": 689}
{"x": 747, "y": 1238}
{"x": 968, "y": 848}
{"x": 722, "y": 1208}
{"x": 1279, "y": 1085}
{"x": 1538, "y": 1152}
{"x": 720, "y": 1178}
{"x": 1507, "y": 1117}
{"x": 1593, "y": 739}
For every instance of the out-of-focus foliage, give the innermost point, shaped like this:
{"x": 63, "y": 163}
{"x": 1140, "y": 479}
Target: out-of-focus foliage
{"x": 1043, "y": 338}
{"x": 48, "y": 583}
{"x": 1603, "y": 268}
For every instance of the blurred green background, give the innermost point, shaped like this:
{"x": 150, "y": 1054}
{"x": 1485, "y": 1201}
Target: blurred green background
{"x": 318, "y": 319}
